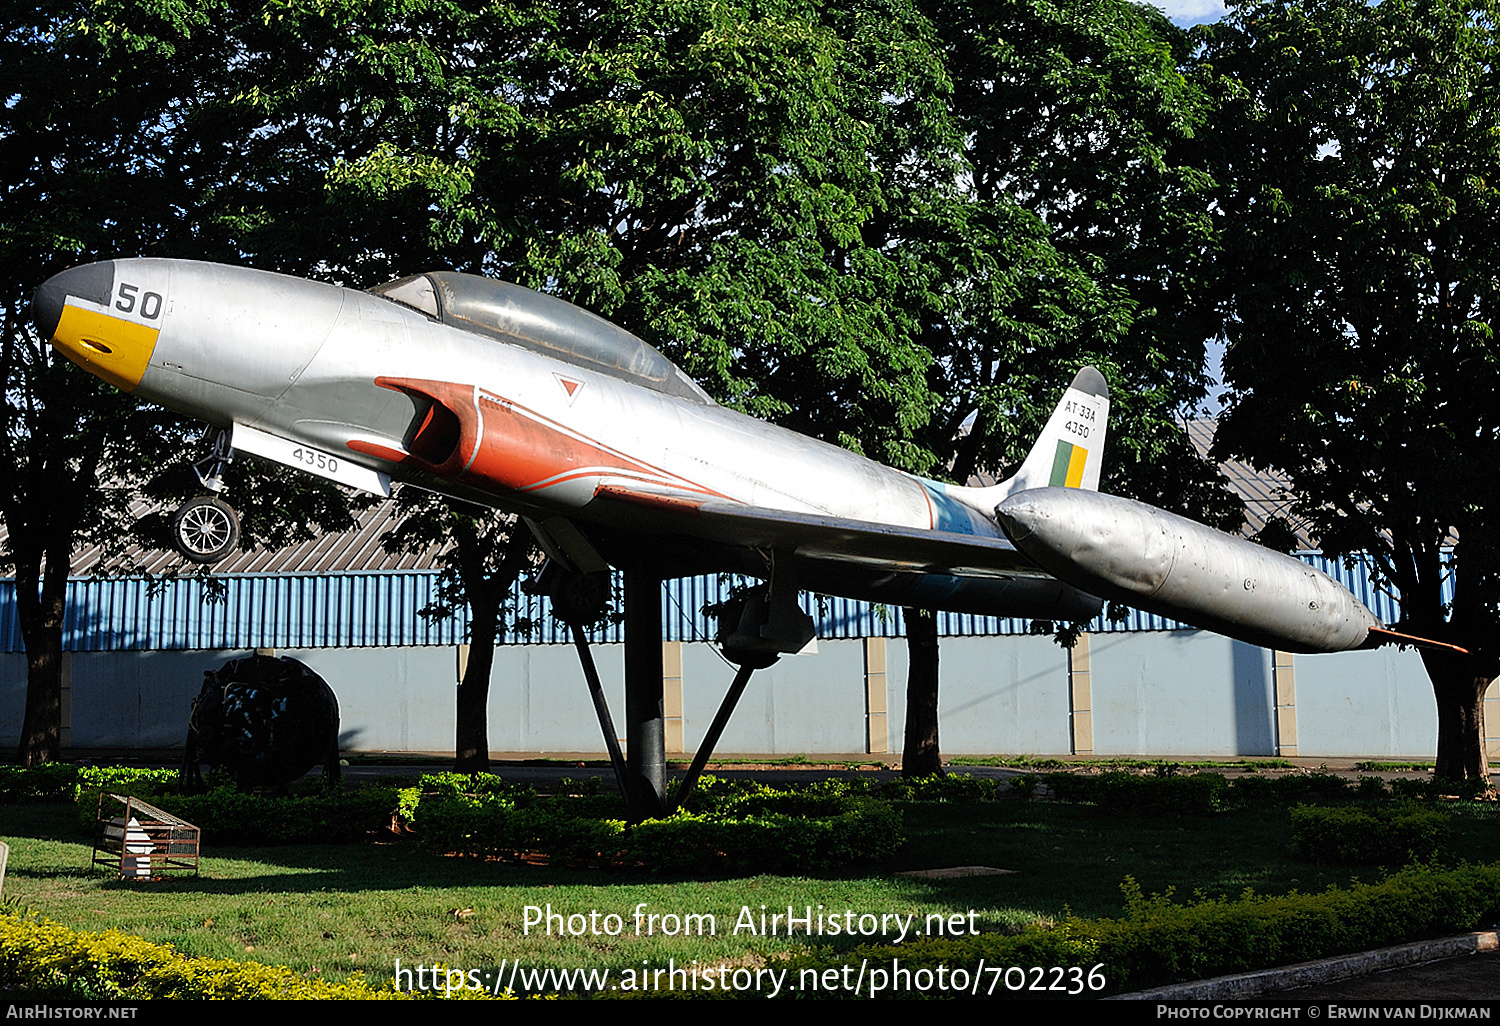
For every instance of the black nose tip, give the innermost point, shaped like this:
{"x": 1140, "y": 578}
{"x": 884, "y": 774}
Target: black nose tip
{"x": 93, "y": 282}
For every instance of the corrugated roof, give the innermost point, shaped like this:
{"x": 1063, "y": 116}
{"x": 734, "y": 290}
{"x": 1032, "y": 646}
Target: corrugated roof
{"x": 1266, "y": 494}
{"x": 355, "y": 550}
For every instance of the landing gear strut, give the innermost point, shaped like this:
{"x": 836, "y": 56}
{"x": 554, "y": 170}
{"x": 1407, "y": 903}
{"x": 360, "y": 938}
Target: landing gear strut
{"x": 205, "y": 529}
{"x": 753, "y": 626}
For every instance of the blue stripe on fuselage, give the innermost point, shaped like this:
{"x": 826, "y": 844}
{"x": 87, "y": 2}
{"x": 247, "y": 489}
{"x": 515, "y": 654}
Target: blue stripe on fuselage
{"x": 951, "y": 515}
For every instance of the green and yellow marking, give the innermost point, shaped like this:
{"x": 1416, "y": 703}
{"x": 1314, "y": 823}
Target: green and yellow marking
{"x": 1067, "y": 465}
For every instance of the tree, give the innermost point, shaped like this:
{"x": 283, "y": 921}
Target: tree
{"x": 1089, "y": 240}
{"x": 116, "y": 140}
{"x": 482, "y": 553}
{"x": 1081, "y": 235}
{"x": 747, "y": 186}
{"x": 81, "y": 162}
{"x": 697, "y": 173}
{"x": 1358, "y": 146}
{"x": 921, "y": 755}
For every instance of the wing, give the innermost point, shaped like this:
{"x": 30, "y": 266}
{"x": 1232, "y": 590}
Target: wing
{"x": 875, "y": 546}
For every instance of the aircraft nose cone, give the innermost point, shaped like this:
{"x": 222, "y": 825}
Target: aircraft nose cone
{"x": 72, "y": 310}
{"x": 94, "y": 282}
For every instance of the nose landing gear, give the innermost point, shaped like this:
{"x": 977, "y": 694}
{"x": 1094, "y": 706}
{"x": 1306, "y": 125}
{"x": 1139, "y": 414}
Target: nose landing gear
{"x": 205, "y": 529}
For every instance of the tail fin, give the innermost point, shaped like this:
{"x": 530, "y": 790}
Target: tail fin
{"x": 1069, "y": 452}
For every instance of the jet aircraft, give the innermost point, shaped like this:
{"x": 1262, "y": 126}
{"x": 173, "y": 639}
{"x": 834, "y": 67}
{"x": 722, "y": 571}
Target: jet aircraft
{"x": 490, "y": 392}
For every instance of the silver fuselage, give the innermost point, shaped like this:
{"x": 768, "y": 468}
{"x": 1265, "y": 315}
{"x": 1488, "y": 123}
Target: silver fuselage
{"x": 313, "y": 364}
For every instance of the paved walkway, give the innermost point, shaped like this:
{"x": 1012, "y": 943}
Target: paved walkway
{"x": 1463, "y": 968}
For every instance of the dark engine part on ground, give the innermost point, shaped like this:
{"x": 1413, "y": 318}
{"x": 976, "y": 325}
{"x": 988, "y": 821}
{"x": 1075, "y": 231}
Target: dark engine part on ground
{"x": 263, "y": 721}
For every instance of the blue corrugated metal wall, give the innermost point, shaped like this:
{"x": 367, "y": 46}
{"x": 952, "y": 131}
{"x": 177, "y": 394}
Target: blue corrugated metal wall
{"x": 355, "y": 610}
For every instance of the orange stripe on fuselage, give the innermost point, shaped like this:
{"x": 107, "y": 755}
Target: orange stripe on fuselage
{"x": 523, "y": 451}
{"x": 506, "y": 447}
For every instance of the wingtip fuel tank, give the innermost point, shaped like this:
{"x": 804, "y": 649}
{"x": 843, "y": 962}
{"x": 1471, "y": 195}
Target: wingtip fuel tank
{"x": 1151, "y": 559}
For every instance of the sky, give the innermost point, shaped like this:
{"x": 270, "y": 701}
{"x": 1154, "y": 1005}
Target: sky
{"x": 1192, "y": 12}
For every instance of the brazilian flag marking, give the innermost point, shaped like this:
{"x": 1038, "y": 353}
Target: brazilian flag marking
{"x": 1067, "y": 465}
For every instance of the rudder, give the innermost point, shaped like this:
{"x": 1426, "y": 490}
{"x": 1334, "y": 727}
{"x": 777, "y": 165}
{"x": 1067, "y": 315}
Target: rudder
{"x": 1069, "y": 453}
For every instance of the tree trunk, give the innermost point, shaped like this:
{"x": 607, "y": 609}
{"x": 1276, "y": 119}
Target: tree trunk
{"x": 41, "y": 730}
{"x": 1459, "y": 691}
{"x": 919, "y": 754}
{"x": 40, "y": 612}
{"x": 486, "y": 594}
{"x": 472, "y": 731}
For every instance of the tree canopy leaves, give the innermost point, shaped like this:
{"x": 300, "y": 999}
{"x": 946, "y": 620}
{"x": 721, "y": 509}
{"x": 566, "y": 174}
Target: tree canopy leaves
{"x": 1359, "y": 147}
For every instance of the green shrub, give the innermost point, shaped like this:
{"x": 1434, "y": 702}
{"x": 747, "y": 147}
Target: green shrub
{"x": 1130, "y": 794}
{"x": 714, "y": 792}
{"x": 1319, "y": 784}
{"x": 1159, "y": 942}
{"x": 229, "y": 816}
{"x": 1353, "y": 836}
{"x": 944, "y": 788}
{"x": 1294, "y": 787}
{"x": 1024, "y": 785}
{"x": 1411, "y": 788}
{"x": 860, "y": 830}
{"x": 41, "y": 959}
{"x": 52, "y": 782}
{"x": 116, "y": 778}
{"x": 1420, "y": 789}
{"x": 739, "y": 830}
{"x": 585, "y": 786}
{"x": 61, "y": 782}
{"x": 478, "y": 784}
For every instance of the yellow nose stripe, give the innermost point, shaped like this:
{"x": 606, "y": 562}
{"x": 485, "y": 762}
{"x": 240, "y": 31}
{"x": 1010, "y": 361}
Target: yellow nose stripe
{"x": 114, "y": 349}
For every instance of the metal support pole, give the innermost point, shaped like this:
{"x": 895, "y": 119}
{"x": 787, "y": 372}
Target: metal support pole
{"x": 601, "y": 707}
{"x": 645, "y": 722}
{"x": 706, "y": 749}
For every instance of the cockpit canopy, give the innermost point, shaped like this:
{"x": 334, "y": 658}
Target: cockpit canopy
{"x": 543, "y": 324}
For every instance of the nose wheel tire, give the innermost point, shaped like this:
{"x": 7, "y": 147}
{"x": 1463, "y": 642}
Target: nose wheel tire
{"x": 205, "y": 529}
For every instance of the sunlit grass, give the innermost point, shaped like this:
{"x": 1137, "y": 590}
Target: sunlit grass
{"x": 340, "y": 909}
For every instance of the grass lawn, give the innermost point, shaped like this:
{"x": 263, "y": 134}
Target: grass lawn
{"x": 339, "y": 909}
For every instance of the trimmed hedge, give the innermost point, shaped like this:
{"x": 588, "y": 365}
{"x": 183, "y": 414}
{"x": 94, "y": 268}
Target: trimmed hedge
{"x": 1436, "y": 787}
{"x": 1159, "y": 942}
{"x": 728, "y": 826}
{"x": 1352, "y": 836}
{"x": 1130, "y": 794}
{"x": 61, "y": 782}
{"x": 1201, "y": 794}
{"x": 745, "y": 833}
{"x": 228, "y": 816}
{"x": 44, "y": 960}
